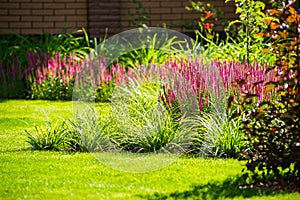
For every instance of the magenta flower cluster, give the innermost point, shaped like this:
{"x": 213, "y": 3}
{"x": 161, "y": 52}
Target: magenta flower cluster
{"x": 201, "y": 77}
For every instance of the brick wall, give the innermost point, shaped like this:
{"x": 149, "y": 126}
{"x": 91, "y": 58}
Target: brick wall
{"x": 171, "y": 13}
{"x": 42, "y": 16}
{"x": 116, "y": 14}
{"x": 103, "y": 14}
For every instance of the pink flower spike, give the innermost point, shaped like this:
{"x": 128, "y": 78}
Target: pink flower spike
{"x": 207, "y": 100}
{"x": 200, "y": 103}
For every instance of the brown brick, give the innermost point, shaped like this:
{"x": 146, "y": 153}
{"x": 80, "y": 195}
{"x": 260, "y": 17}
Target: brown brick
{"x": 93, "y": 5}
{"x": 10, "y": 19}
{"x": 100, "y": 24}
{"x": 81, "y": 24}
{"x": 31, "y": 5}
{"x": 151, "y": 5}
{"x": 108, "y": 5}
{"x": 43, "y": 24}
{"x": 192, "y": 16}
{"x": 97, "y": 12}
{"x": 31, "y": 18}
{"x": 64, "y": 1}
{"x": 56, "y": 31}
{"x": 126, "y": 11}
{"x": 171, "y": 4}
{"x": 228, "y": 9}
{"x": 76, "y": 5}
{"x": 39, "y": 1}
{"x": 26, "y": 1}
{"x": 57, "y": 18}
{"x": 76, "y": 18}
{"x": 3, "y": 25}
{"x": 181, "y": 10}
{"x": 4, "y": 12}
{"x": 65, "y": 12}
{"x": 155, "y": 17}
{"x": 70, "y": 30}
{"x": 10, "y": 5}
{"x": 11, "y": 30}
{"x": 65, "y": 24}
{"x": 93, "y": 18}
{"x": 20, "y": 25}
{"x": 109, "y": 18}
{"x": 114, "y": 11}
{"x": 42, "y": 12}
{"x": 128, "y": 5}
{"x": 81, "y": 11}
{"x": 32, "y": 31}
{"x": 19, "y": 12}
{"x": 124, "y": 23}
{"x": 160, "y": 10}
{"x": 54, "y": 5}
{"x": 168, "y": 17}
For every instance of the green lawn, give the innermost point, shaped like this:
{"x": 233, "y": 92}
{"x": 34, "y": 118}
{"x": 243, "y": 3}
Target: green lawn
{"x": 26, "y": 174}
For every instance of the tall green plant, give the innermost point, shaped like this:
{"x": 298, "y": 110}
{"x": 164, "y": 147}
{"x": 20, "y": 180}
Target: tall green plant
{"x": 251, "y": 21}
{"x": 241, "y": 43}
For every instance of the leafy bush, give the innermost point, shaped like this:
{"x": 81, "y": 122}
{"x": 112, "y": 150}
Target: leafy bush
{"x": 272, "y": 127}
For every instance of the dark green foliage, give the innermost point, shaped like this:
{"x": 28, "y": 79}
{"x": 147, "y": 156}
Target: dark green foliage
{"x": 273, "y": 126}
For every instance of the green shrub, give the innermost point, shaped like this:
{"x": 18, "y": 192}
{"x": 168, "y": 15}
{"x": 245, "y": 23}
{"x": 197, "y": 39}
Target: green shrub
{"x": 241, "y": 43}
{"x": 273, "y": 126}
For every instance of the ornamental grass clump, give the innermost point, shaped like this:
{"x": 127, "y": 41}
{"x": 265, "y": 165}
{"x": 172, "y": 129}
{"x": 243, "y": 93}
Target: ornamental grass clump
{"x": 142, "y": 123}
{"x": 51, "y": 137}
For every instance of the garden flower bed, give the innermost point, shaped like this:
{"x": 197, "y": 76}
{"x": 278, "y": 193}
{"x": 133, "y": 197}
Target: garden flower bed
{"x": 157, "y": 95}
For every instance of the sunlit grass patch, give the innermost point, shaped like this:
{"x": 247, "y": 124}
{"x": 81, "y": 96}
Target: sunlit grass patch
{"x": 27, "y": 174}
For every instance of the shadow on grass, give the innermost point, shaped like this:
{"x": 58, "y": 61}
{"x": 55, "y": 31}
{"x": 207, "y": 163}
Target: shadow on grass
{"x": 228, "y": 189}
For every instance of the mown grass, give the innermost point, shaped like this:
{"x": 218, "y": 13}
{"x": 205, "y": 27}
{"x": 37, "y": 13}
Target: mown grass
{"x": 27, "y": 174}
